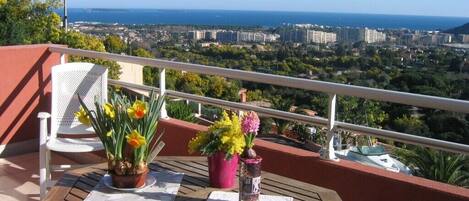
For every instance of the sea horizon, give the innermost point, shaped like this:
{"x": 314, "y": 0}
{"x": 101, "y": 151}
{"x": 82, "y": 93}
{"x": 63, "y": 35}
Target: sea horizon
{"x": 261, "y": 18}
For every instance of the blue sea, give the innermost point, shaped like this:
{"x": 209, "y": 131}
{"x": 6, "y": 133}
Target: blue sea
{"x": 261, "y": 18}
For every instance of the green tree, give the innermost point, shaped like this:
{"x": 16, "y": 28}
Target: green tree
{"x": 114, "y": 44}
{"x": 192, "y": 83}
{"x": 29, "y": 22}
{"x": 180, "y": 110}
{"x": 254, "y": 95}
{"x": 411, "y": 125}
{"x": 150, "y": 74}
{"x": 448, "y": 126}
{"x": 340, "y": 50}
{"x": 140, "y": 52}
{"x": 79, "y": 40}
{"x": 360, "y": 111}
{"x": 87, "y": 42}
{"x": 456, "y": 64}
{"x": 220, "y": 87}
{"x": 283, "y": 104}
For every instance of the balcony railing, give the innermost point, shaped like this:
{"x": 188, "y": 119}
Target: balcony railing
{"x": 332, "y": 89}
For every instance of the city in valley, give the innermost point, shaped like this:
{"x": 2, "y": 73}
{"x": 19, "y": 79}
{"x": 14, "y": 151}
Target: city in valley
{"x": 293, "y": 33}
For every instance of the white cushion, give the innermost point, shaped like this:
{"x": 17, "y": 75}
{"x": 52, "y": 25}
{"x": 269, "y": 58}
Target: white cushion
{"x": 75, "y": 144}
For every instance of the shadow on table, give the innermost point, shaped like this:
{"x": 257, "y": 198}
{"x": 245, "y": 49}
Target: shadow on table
{"x": 186, "y": 198}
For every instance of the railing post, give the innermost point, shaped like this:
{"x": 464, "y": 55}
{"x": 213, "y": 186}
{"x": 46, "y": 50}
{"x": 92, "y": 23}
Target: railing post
{"x": 328, "y": 152}
{"x": 163, "y": 113}
{"x": 62, "y": 58}
{"x": 199, "y": 109}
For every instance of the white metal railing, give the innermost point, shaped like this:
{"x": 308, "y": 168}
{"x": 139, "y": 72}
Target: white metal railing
{"x": 333, "y": 89}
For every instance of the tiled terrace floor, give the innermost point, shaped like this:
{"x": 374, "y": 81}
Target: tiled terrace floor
{"x": 19, "y": 176}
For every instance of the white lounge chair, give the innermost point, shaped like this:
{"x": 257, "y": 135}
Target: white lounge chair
{"x": 90, "y": 82}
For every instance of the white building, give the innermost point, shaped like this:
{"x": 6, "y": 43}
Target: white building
{"x": 374, "y": 36}
{"x": 356, "y": 35}
{"x": 271, "y": 37}
{"x": 435, "y": 39}
{"x": 257, "y": 37}
{"x": 208, "y": 44}
{"x": 196, "y": 35}
{"x": 464, "y": 38}
{"x": 228, "y": 36}
{"x": 210, "y": 34}
{"x": 321, "y": 37}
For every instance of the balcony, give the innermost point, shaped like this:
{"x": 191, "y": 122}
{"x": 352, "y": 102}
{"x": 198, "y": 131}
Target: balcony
{"x": 26, "y": 91}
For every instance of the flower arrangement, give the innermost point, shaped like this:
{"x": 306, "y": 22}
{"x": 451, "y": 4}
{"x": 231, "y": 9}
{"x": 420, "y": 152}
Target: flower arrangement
{"x": 224, "y": 135}
{"x": 250, "y": 126}
{"x": 250, "y": 163}
{"x": 126, "y": 130}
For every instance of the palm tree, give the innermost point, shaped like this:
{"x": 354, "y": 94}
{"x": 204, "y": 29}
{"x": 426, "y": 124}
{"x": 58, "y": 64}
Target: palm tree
{"x": 437, "y": 165}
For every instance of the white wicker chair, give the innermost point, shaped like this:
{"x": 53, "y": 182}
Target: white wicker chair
{"x": 90, "y": 82}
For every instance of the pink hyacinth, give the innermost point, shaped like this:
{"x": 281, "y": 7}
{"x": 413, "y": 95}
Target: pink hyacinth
{"x": 250, "y": 123}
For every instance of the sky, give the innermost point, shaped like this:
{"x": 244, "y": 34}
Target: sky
{"x": 459, "y": 8}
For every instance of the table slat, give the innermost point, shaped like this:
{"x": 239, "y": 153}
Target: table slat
{"x": 76, "y": 184}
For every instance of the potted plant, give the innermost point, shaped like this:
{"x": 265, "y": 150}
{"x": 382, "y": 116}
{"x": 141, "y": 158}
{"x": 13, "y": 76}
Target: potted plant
{"x": 250, "y": 165}
{"x": 127, "y": 130}
{"x": 222, "y": 143}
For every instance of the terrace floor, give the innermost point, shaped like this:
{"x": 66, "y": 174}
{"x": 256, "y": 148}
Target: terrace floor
{"x": 19, "y": 176}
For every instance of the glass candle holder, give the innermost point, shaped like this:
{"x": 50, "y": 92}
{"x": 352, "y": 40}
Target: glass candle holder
{"x": 250, "y": 179}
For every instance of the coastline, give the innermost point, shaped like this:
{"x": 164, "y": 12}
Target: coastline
{"x": 259, "y": 18}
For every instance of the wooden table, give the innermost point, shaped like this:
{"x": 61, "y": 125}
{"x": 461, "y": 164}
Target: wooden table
{"x": 77, "y": 184}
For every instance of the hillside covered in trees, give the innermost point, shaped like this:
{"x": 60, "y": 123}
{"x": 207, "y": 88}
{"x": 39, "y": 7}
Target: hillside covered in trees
{"x": 463, "y": 29}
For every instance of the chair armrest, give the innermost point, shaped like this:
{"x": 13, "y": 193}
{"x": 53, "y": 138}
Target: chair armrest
{"x": 43, "y": 115}
{"x": 43, "y": 133}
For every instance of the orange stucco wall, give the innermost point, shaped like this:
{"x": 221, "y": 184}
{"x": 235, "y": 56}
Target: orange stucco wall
{"x": 24, "y": 90}
{"x": 352, "y": 181}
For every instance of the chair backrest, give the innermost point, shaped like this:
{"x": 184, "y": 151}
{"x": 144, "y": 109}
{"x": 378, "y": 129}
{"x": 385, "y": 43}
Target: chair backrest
{"x": 85, "y": 79}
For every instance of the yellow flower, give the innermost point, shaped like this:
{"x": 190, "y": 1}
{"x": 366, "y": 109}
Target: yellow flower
{"x": 109, "y": 134}
{"x": 231, "y": 138}
{"x": 135, "y": 139}
{"x": 195, "y": 143}
{"x": 138, "y": 110}
{"x": 109, "y": 110}
{"x": 83, "y": 117}
{"x": 224, "y": 122}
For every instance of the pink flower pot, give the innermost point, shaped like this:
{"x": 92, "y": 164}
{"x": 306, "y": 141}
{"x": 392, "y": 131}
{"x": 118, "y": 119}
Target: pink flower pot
{"x": 221, "y": 172}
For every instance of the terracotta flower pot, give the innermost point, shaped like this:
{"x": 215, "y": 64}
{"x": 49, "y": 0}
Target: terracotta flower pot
{"x": 221, "y": 172}
{"x": 129, "y": 181}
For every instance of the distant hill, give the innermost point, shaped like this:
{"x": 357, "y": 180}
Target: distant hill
{"x": 464, "y": 29}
